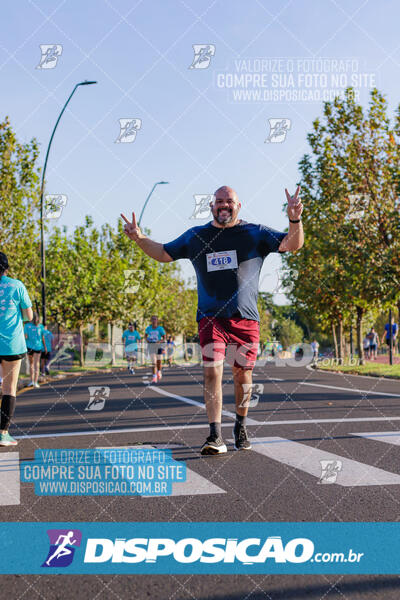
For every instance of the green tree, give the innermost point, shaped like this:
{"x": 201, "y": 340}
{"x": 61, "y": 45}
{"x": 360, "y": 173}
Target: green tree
{"x": 19, "y": 198}
{"x": 288, "y": 333}
{"x": 350, "y": 187}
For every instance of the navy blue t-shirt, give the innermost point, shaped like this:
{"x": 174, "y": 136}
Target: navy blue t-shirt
{"x": 227, "y": 262}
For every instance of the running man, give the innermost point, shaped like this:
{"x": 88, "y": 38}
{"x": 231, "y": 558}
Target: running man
{"x": 131, "y": 337}
{"x": 227, "y": 254}
{"x": 154, "y": 335}
{"x": 46, "y": 353}
{"x": 15, "y": 307}
{"x": 394, "y": 334}
{"x": 36, "y": 345}
{"x": 62, "y": 549}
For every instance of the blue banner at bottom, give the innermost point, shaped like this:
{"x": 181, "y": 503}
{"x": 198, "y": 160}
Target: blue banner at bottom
{"x": 200, "y": 548}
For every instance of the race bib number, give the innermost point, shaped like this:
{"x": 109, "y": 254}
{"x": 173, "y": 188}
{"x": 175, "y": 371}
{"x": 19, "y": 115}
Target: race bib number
{"x": 222, "y": 260}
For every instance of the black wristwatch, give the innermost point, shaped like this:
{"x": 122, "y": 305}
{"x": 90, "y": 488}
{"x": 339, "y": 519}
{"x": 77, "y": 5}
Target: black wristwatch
{"x": 297, "y": 221}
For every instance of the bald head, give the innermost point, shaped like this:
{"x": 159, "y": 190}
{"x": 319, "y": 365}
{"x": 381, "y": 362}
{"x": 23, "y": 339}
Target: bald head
{"x": 226, "y": 192}
{"x": 225, "y": 207}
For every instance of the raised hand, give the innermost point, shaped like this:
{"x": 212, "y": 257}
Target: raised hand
{"x": 295, "y": 207}
{"x": 131, "y": 228}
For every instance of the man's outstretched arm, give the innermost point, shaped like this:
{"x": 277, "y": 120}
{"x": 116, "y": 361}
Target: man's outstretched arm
{"x": 153, "y": 249}
{"x": 294, "y": 239}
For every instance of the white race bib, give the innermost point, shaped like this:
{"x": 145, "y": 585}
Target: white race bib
{"x": 222, "y": 260}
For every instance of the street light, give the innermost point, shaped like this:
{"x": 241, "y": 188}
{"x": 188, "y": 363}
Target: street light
{"x": 148, "y": 197}
{"x": 42, "y": 249}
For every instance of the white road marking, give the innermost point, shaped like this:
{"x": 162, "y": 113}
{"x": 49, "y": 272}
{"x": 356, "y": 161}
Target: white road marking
{"x": 227, "y": 413}
{"x": 9, "y": 479}
{"x": 389, "y": 437}
{"x": 306, "y": 458}
{"x": 194, "y": 485}
{"x": 111, "y": 431}
{"x": 337, "y": 420}
{"x": 354, "y": 390}
{"x": 201, "y": 426}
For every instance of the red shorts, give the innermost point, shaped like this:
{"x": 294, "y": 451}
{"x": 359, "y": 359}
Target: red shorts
{"x": 236, "y": 337}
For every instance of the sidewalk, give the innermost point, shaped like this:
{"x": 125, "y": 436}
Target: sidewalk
{"x": 383, "y": 359}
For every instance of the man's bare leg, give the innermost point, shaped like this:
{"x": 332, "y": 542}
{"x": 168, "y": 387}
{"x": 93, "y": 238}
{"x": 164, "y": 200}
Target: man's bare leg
{"x": 213, "y": 392}
{"x": 213, "y": 402}
{"x": 243, "y": 379}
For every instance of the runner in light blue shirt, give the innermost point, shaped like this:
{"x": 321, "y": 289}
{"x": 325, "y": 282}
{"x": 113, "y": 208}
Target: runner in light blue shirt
{"x": 46, "y": 352}
{"x": 155, "y": 334}
{"x": 15, "y": 307}
{"x": 131, "y": 336}
{"x": 35, "y": 344}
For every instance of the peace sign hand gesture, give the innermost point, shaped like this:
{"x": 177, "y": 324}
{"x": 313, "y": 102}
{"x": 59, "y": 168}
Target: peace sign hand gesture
{"x": 131, "y": 229}
{"x": 295, "y": 207}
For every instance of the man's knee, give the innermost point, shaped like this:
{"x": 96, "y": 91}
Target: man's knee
{"x": 242, "y": 375}
{"x": 212, "y": 374}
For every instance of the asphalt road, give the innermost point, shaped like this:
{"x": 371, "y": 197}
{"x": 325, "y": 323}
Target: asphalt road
{"x": 302, "y": 417}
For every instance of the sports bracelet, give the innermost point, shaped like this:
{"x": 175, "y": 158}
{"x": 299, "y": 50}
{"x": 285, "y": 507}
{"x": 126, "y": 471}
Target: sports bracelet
{"x": 297, "y": 221}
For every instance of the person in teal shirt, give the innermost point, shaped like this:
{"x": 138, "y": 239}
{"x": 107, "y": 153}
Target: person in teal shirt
{"x": 46, "y": 353}
{"x": 35, "y": 345}
{"x": 15, "y": 308}
{"x": 131, "y": 337}
{"x": 155, "y": 334}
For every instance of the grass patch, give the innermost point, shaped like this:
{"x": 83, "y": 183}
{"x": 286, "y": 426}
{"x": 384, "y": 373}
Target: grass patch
{"x": 370, "y": 368}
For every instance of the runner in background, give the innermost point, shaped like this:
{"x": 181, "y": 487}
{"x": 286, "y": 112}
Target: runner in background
{"x": 155, "y": 334}
{"x": 45, "y": 356}
{"x": 131, "y": 336}
{"x": 315, "y": 349}
{"x": 394, "y": 334}
{"x": 170, "y": 349}
{"x": 366, "y": 346}
{"x": 373, "y": 343}
{"x": 36, "y": 345}
{"x": 15, "y": 308}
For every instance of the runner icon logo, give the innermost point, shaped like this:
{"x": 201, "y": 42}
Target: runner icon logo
{"x": 202, "y": 209}
{"x": 62, "y": 547}
{"x": 133, "y": 278}
{"x": 202, "y": 56}
{"x": 50, "y": 55}
{"x": 98, "y": 396}
{"x": 329, "y": 470}
{"x": 54, "y": 205}
{"x": 128, "y": 130}
{"x": 251, "y": 394}
{"x": 278, "y": 129}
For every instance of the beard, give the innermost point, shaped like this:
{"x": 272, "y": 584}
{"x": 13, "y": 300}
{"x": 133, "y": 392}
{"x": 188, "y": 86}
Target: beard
{"x": 225, "y": 218}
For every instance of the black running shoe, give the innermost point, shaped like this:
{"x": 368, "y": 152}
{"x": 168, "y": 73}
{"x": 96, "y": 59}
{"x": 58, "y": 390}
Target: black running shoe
{"x": 241, "y": 439}
{"x": 214, "y": 445}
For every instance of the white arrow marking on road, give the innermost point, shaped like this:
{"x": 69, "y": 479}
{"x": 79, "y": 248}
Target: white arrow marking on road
{"x": 389, "y": 437}
{"x": 227, "y": 413}
{"x": 9, "y": 479}
{"x": 306, "y": 458}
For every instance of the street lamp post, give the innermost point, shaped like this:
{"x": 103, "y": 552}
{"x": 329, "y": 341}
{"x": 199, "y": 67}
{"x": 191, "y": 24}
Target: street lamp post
{"x": 42, "y": 248}
{"x": 148, "y": 198}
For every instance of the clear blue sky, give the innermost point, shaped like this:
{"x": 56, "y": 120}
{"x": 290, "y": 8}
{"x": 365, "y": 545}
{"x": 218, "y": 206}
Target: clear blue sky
{"x": 195, "y": 133}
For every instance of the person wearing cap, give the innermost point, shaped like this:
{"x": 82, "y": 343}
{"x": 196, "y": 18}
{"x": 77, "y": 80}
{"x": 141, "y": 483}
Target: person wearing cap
{"x": 15, "y": 308}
